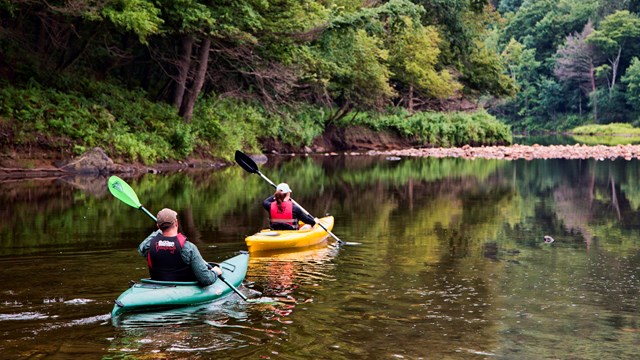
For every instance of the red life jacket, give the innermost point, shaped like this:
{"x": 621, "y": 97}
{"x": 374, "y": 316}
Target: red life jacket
{"x": 283, "y": 219}
{"x": 165, "y": 259}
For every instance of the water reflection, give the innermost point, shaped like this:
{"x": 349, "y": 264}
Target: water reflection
{"x": 280, "y": 273}
{"x": 230, "y": 324}
{"x": 451, "y": 262}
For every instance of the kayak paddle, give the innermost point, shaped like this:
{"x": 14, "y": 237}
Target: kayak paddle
{"x": 123, "y": 192}
{"x": 250, "y": 166}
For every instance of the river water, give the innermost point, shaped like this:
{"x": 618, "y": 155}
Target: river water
{"x": 445, "y": 259}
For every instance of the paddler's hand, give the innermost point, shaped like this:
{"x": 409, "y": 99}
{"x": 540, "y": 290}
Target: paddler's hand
{"x": 217, "y": 270}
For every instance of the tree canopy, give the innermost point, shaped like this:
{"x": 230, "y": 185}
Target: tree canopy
{"x": 345, "y": 54}
{"x": 529, "y": 62}
{"x": 581, "y": 50}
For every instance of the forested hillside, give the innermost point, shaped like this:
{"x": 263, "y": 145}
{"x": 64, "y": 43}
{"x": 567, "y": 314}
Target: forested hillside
{"x": 209, "y": 76}
{"x": 573, "y": 61}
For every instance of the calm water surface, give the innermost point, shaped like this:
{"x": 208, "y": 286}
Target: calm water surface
{"x": 445, "y": 260}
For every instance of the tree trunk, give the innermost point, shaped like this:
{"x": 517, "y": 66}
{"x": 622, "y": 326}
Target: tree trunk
{"x": 593, "y": 91}
{"x": 614, "y": 197}
{"x": 580, "y": 104}
{"x": 341, "y": 112}
{"x": 182, "y": 67}
{"x": 198, "y": 81}
{"x": 614, "y": 69}
{"x": 411, "y": 104}
{"x": 42, "y": 39}
{"x": 65, "y": 63}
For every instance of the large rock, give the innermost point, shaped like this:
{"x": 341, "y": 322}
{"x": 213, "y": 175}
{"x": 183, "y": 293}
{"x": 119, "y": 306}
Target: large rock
{"x": 94, "y": 161}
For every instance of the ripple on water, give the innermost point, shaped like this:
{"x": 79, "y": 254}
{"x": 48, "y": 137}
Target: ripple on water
{"x": 23, "y": 316}
{"x": 78, "y": 301}
{"x": 76, "y": 322}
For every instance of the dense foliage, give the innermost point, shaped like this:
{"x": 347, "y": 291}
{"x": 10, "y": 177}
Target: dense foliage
{"x": 167, "y": 78}
{"x": 574, "y": 62}
{"x": 170, "y": 78}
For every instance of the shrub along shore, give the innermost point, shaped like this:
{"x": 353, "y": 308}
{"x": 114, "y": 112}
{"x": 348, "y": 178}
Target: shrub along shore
{"x": 45, "y": 123}
{"x": 131, "y": 128}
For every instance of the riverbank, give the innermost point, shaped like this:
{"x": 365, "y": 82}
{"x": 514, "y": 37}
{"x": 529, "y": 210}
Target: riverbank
{"x": 97, "y": 162}
{"x": 528, "y": 152}
{"x": 44, "y": 164}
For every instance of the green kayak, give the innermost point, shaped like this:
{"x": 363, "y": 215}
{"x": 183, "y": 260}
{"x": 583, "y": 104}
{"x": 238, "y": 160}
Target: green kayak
{"x": 149, "y": 295}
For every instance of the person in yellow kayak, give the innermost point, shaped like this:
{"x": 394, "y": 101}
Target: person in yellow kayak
{"x": 283, "y": 213}
{"x": 171, "y": 257}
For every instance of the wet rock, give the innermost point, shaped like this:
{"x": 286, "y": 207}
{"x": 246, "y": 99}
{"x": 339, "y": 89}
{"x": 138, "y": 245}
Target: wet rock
{"x": 94, "y": 161}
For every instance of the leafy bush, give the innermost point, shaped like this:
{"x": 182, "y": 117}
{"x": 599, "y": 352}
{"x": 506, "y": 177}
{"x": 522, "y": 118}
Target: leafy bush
{"x": 117, "y": 119}
{"x": 300, "y": 125}
{"x": 609, "y": 129}
{"x": 438, "y": 129}
{"x": 81, "y": 114}
{"x": 223, "y": 126}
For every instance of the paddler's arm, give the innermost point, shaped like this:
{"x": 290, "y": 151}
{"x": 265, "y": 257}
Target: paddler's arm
{"x": 266, "y": 204}
{"x": 191, "y": 255}
{"x": 302, "y": 216}
{"x": 143, "y": 248}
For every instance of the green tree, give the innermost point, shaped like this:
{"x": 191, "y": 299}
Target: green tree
{"x": 453, "y": 17}
{"x": 485, "y": 73}
{"x": 141, "y": 17}
{"x": 414, "y": 60}
{"x": 631, "y": 79}
{"x": 544, "y": 24}
{"x": 353, "y": 64}
{"x": 537, "y": 99}
{"x": 506, "y": 6}
{"x": 618, "y": 31}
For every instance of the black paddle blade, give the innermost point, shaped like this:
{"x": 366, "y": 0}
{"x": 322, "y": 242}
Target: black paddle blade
{"x": 246, "y": 162}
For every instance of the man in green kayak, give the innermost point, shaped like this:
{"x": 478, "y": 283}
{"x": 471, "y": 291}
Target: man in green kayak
{"x": 283, "y": 213}
{"x": 171, "y": 257}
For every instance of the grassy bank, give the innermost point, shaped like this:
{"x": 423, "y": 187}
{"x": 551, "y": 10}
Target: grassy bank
{"x": 609, "y": 134}
{"x": 76, "y": 115}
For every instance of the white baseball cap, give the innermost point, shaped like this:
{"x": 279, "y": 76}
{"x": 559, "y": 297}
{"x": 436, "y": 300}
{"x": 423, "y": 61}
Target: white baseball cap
{"x": 283, "y": 187}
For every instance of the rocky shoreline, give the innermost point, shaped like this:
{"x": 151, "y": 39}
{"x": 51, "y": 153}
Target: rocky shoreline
{"x": 93, "y": 162}
{"x": 96, "y": 162}
{"x": 528, "y": 152}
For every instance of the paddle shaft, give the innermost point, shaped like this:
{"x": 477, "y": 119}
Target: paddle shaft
{"x": 301, "y": 208}
{"x": 233, "y": 288}
{"x": 148, "y": 213}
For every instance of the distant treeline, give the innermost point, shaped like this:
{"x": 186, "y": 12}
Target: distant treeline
{"x": 573, "y": 62}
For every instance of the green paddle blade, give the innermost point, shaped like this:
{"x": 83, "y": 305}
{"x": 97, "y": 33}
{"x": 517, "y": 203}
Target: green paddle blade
{"x": 123, "y": 192}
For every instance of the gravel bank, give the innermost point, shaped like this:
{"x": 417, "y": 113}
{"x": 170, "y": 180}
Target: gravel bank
{"x": 529, "y": 152}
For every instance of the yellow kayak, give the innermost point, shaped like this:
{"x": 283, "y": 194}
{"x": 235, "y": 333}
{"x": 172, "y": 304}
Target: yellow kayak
{"x": 268, "y": 239}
